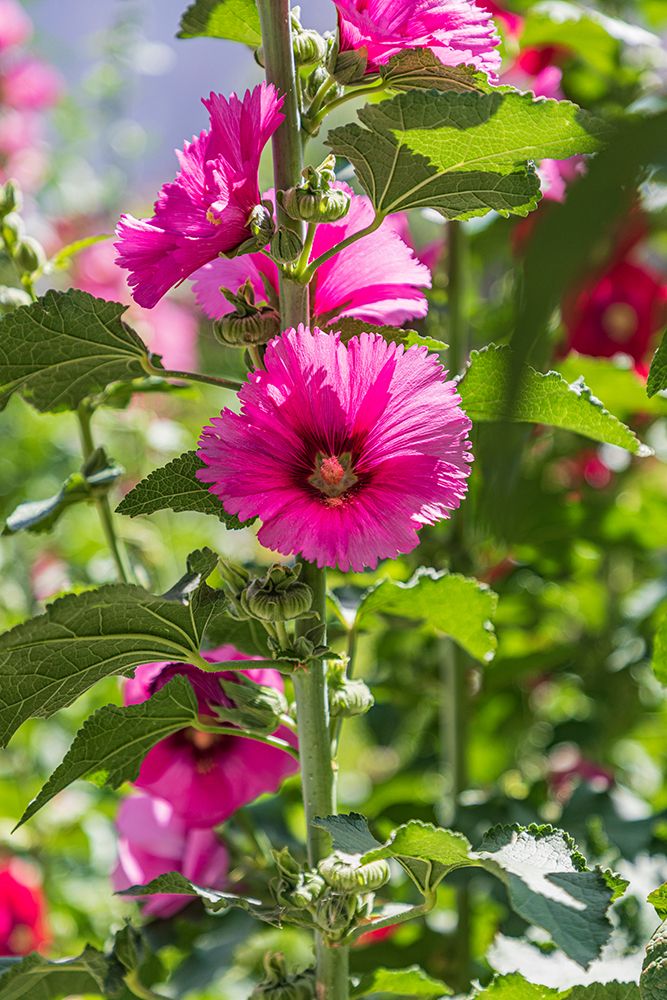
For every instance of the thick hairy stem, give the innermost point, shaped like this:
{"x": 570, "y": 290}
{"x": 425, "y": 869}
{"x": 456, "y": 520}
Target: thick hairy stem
{"x": 310, "y": 682}
{"x": 102, "y": 503}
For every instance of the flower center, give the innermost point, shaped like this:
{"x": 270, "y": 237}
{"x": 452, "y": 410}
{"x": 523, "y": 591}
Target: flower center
{"x": 333, "y": 475}
{"x": 620, "y": 322}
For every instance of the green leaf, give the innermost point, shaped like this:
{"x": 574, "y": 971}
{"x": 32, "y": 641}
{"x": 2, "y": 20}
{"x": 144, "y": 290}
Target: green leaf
{"x": 549, "y": 885}
{"x": 461, "y": 154}
{"x": 47, "y": 662}
{"x": 237, "y": 20}
{"x": 349, "y": 327}
{"x": 659, "y": 662}
{"x": 515, "y": 987}
{"x": 604, "y": 991}
{"x": 410, "y": 982}
{"x": 36, "y": 978}
{"x": 176, "y": 487}
{"x": 349, "y": 832}
{"x": 653, "y": 980}
{"x": 428, "y": 852}
{"x": 112, "y": 743}
{"x": 448, "y": 603}
{"x": 419, "y": 69}
{"x": 658, "y": 899}
{"x": 64, "y": 347}
{"x": 64, "y": 257}
{"x": 542, "y": 399}
{"x": 174, "y": 883}
{"x": 621, "y": 388}
{"x": 657, "y": 376}
{"x": 41, "y": 515}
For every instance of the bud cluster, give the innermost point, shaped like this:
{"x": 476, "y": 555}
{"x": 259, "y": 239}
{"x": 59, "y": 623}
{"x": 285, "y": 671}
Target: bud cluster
{"x": 314, "y": 199}
{"x": 26, "y": 253}
{"x": 281, "y": 984}
{"x": 347, "y": 697}
{"x": 248, "y": 325}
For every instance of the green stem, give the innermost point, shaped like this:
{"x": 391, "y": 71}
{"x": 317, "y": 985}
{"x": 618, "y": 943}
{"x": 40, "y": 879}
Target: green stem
{"x": 84, "y": 415}
{"x": 302, "y": 262}
{"x": 310, "y": 687}
{"x": 456, "y": 249}
{"x": 247, "y": 734}
{"x": 223, "y": 383}
{"x": 401, "y": 917}
{"x": 349, "y": 95}
{"x": 309, "y": 273}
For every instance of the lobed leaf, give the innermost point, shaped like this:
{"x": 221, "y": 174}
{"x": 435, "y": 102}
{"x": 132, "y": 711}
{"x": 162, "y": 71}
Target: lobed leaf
{"x": 237, "y": 20}
{"x": 36, "y": 978}
{"x": 453, "y": 605}
{"x": 349, "y": 832}
{"x": 653, "y": 980}
{"x": 658, "y": 899}
{"x": 420, "y": 69}
{"x": 176, "y": 487}
{"x": 349, "y": 327}
{"x": 173, "y": 883}
{"x": 657, "y": 376}
{"x": 111, "y": 744}
{"x": 515, "y": 987}
{"x": 410, "y": 982}
{"x": 64, "y": 347}
{"x": 621, "y": 387}
{"x": 604, "y": 991}
{"x": 48, "y": 661}
{"x": 542, "y": 399}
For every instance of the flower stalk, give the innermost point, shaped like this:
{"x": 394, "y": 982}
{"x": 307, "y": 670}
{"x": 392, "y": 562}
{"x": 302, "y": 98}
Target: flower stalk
{"x": 310, "y": 687}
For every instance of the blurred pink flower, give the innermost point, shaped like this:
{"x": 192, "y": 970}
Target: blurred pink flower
{"x": 377, "y": 279}
{"x": 154, "y": 840}
{"x": 15, "y": 25}
{"x": 569, "y": 768}
{"x": 344, "y": 452}
{"x": 169, "y": 329}
{"x": 511, "y": 22}
{"x": 617, "y": 312}
{"x": 48, "y": 576}
{"x": 458, "y": 32}
{"x": 204, "y": 777}
{"x": 22, "y": 909}
{"x": 30, "y": 85}
{"x": 204, "y": 211}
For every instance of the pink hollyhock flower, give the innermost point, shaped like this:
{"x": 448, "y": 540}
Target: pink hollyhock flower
{"x": 15, "y": 25}
{"x": 154, "y": 840}
{"x": 511, "y": 22}
{"x": 617, "y": 312}
{"x": 344, "y": 452}
{"x": 205, "y": 778}
{"x": 204, "y": 211}
{"x": 22, "y": 909}
{"x": 168, "y": 329}
{"x": 377, "y": 279}
{"x": 569, "y": 768}
{"x": 458, "y": 32}
{"x": 30, "y": 85}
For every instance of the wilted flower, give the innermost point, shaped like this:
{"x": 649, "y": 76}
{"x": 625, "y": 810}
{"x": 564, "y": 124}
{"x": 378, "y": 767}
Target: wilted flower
{"x": 205, "y": 211}
{"x": 22, "y": 909}
{"x": 617, "y": 312}
{"x": 458, "y": 32}
{"x": 377, "y": 279}
{"x": 153, "y": 840}
{"x": 344, "y": 452}
{"x": 15, "y": 25}
{"x": 205, "y": 777}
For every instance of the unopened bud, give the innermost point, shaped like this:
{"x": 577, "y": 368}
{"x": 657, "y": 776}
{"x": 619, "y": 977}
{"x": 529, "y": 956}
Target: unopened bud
{"x": 278, "y": 596}
{"x": 285, "y": 245}
{"x": 350, "y": 697}
{"x": 285, "y": 863}
{"x": 308, "y": 891}
{"x": 335, "y": 914}
{"x": 260, "y": 222}
{"x": 281, "y": 984}
{"x": 346, "y": 873}
{"x": 254, "y": 705}
{"x": 12, "y": 229}
{"x": 316, "y": 206}
{"x": 29, "y": 255}
{"x": 309, "y": 47}
{"x": 316, "y": 81}
{"x": 12, "y": 298}
{"x": 235, "y": 577}
{"x": 350, "y": 66}
{"x": 234, "y": 330}
{"x": 10, "y": 199}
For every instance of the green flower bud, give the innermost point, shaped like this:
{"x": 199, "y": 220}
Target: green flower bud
{"x": 350, "y": 66}
{"x": 347, "y": 874}
{"x": 351, "y": 697}
{"x": 308, "y": 891}
{"x": 280, "y": 984}
{"x": 335, "y": 914}
{"x": 11, "y": 199}
{"x": 286, "y": 864}
{"x": 29, "y": 255}
{"x": 12, "y": 229}
{"x": 260, "y": 223}
{"x": 278, "y": 596}
{"x": 254, "y": 706}
{"x": 309, "y": 47}
{"x": 316, "y": 206}
{"x": 234, "y": 330}
{"x": 316, "y": 80}
{"x": 285, "y": 245}
{"x": 12, "y": 298}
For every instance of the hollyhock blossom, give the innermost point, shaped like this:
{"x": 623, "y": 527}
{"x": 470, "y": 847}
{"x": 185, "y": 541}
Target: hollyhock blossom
{"x": 344, "y": 452}
{"x": 30, "y": 85}
{"x": 458, "y": 32}
{"x": 204, "y": 777}
{"x": 511, "y": 22}
{"x": 22, "y": 909}
{"x": 169, "y": 329}
{"x": 377, "y": 279}
{"x": 204, "y": 211}
{"x": 617, "y": 312}
{"x": 153, "y": 840}
{"x": 15, "y": 25}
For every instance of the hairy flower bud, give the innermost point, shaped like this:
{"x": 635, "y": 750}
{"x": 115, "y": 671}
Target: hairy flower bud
{"x": 316, "y": 81}
{"x": 261, "y": 224}
{"x": 234, "y": 330}
{"x": 350, "y": 697}
{"x": 347, "y": 874}
{"x": 12, "y": 230}
{"x": 309, "y": 47}
{"x": 285, "y": 245}
{"x": 335, "y": 914}
{"x": 308, "y": 891}
{"x": 316, "y": 206}
{"x": 254, "y": 706}
{"x": 280, "y": 984}
{"x": 277, "y": 596}
{"x": 350, "y": 66}
{"x": 29, "y": 255}
{"x": 10, "y": 199}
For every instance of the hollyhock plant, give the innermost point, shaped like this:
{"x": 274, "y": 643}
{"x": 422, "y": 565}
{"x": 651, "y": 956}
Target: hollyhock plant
{"x": 22, "y": 909}
{"x": 153, "y": 840}
{"x": 343, "y": 451}
{"x": 458, "y": 32}
{"x": 205, "y": 211}
{"x": 15, "y": 25}
{"x": 204, "y": 777}
{"x": 617, "y": 312}
{"x": 378, "y": 279}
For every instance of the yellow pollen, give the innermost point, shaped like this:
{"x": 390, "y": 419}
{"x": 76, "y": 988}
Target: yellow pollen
{"x": 212, "y": 218}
